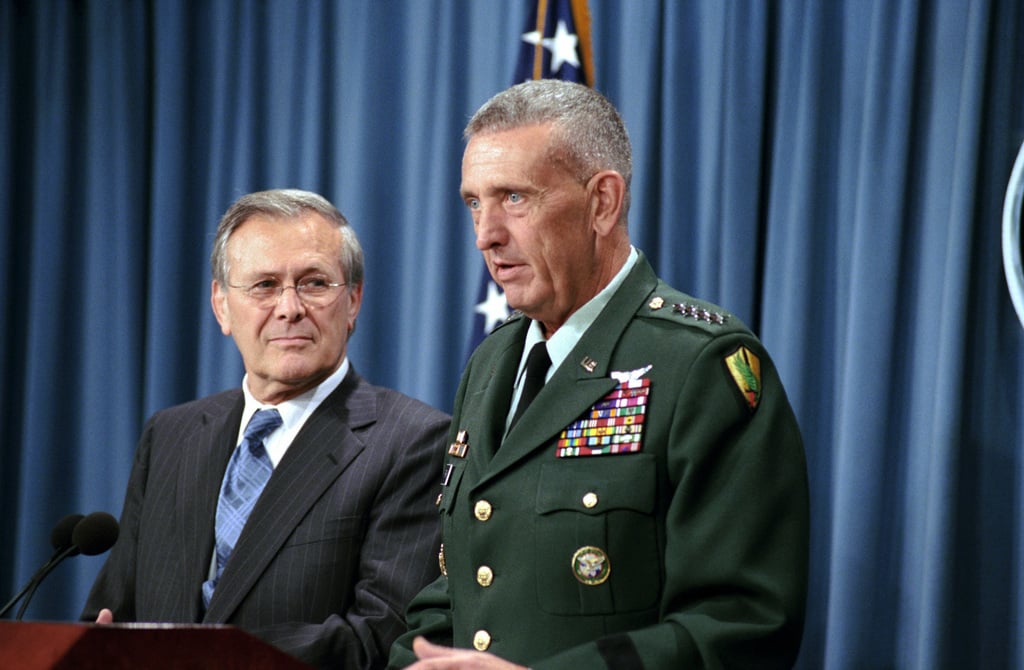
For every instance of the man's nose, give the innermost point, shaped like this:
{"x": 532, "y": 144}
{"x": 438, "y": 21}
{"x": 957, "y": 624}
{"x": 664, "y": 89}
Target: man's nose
{"x": 490, "y": 227}
{"x": 289, "y": 305}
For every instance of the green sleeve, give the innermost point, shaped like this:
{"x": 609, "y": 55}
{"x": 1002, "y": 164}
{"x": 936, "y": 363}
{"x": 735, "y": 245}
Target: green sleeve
{"x": 429, "y": 615}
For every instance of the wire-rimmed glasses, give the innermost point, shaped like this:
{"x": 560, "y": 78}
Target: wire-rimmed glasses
{"x": 312, "y": 291}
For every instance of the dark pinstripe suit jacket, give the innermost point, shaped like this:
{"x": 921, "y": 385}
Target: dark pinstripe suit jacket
{"x": 344, "y": 534}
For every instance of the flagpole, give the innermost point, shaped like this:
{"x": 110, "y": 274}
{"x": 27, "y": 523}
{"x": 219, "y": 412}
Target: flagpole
{"x": 581, "y": 16}
{"x": 538, "y": 48}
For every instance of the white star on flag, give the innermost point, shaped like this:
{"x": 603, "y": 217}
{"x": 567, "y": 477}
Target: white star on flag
{"x": 494, "y": 308}
{"x": 562, "y": 46}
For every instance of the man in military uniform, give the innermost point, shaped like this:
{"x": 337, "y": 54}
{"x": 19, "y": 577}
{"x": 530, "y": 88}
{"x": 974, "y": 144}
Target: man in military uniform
{"x": 649, "y": 508}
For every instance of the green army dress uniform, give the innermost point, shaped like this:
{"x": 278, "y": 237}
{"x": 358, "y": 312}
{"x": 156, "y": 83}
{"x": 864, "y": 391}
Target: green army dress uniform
{"x": 688, "y": 548}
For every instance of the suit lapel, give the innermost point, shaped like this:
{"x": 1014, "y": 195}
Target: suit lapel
{"x": 199, "y": 483}
{"x": 582, "y": 378}
{"x": 315, "y": 459}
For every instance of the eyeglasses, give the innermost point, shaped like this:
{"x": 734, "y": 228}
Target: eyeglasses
{"x": 313, "y": 291}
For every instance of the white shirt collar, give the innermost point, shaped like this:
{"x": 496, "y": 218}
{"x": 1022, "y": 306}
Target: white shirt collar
{"x": 294, "y": 412}
{"x": 569, "y": 334}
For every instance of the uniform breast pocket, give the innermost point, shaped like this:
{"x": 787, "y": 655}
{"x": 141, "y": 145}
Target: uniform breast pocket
{"x": 596, "y": 535}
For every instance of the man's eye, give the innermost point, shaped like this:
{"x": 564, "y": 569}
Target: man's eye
{"x": 314, "y": 283}
{"x": 265, "y": 288}
{"x": 473, "y": 203}
{"x": 515, "y": 198}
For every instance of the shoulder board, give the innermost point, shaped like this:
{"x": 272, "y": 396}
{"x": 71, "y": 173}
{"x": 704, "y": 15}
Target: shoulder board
{"x": 511, "y": 318}
{"x": 681, "y": 308}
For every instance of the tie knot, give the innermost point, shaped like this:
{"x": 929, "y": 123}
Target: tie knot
{"x": 262, "y": 423}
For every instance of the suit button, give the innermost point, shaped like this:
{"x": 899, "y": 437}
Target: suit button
{"x": 590, "y": 500}
{"x": 481, "y": 640}
{"x": 482, "y": 510}
{"x": 484, "y": 576}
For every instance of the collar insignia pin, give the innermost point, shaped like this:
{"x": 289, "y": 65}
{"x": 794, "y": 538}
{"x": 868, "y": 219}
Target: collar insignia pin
{"x": 460, "y": 446}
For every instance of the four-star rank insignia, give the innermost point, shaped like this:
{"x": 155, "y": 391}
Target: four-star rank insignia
{"x": 745, "y": 368}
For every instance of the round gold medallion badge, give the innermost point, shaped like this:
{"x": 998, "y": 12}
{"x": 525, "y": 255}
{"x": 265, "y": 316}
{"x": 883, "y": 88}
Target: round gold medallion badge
{"x": 591, "y": 566}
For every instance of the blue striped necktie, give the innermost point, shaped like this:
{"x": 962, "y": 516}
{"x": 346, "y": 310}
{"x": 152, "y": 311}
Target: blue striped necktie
{"x": 247, "y": 474}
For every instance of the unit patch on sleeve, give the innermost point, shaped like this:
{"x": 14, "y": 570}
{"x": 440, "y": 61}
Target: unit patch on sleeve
{"x": 614, "y": 425}
{"x": 745, "y": 368}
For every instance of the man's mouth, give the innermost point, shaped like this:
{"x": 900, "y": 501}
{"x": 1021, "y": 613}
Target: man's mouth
{"x": 290, "y": 340}
{"x": 506, "y": 271}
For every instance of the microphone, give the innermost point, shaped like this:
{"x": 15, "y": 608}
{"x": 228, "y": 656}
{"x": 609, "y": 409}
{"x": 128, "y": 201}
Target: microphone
{"x": 94, "y": 534}
{"x": 90, "y": 535}
{"x": 74, "y": 534}
{"x": 60, "y": 536}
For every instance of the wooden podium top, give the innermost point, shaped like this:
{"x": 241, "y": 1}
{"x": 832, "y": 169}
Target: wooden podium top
{"x": 59, "y": 646}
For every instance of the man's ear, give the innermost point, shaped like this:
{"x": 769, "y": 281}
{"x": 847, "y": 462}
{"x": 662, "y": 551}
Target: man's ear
{"x": 219, "y": 302}
{"x": 607, "y": 194}
{"x": 355, "y": 298}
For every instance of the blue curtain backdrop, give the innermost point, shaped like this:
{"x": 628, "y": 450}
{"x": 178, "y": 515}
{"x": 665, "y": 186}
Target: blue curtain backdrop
{"x": 833, "y": 171}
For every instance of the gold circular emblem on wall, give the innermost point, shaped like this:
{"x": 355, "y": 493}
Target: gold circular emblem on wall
{"x": 591, "y": 566}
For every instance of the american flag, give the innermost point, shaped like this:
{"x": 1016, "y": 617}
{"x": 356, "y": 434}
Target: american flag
{"x": 554, "y": 45}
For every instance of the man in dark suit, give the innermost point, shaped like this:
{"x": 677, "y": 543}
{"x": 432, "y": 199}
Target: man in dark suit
{"x": 649, "y": 508}
{"x": 345, "y": 530}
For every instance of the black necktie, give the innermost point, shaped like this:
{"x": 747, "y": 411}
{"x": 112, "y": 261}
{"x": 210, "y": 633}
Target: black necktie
{"x": 537, "y": 364}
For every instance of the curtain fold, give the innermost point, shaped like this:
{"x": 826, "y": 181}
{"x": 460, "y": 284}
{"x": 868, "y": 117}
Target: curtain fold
{"x": 833, "y": 173}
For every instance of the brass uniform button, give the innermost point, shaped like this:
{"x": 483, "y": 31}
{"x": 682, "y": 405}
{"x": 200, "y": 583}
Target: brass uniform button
{"x": 481, "y": 640}
{"x": 484, "y": 576}
{"x": 590, "y": 500}
{"x": 482, "y": 510}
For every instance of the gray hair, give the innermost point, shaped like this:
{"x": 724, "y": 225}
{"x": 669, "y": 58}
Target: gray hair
{"x": 285, "y": 204}
{"x": 588, "y": 134}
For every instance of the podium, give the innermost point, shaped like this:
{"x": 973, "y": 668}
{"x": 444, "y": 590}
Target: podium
{"x": 63, "y": 646}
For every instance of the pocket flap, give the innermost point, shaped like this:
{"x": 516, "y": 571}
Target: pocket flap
{"x": 597, "y": 484}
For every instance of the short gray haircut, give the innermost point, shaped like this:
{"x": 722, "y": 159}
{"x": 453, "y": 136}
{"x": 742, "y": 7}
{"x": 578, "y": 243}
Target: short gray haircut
{"x": 285, "y": 204}
{"x": 588, "y": 133}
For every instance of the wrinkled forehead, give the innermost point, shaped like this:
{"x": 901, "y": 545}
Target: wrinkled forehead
{"x": 279, "y": 244}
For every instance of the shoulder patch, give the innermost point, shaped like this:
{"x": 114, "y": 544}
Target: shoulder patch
{"x": 745, "y": 369}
